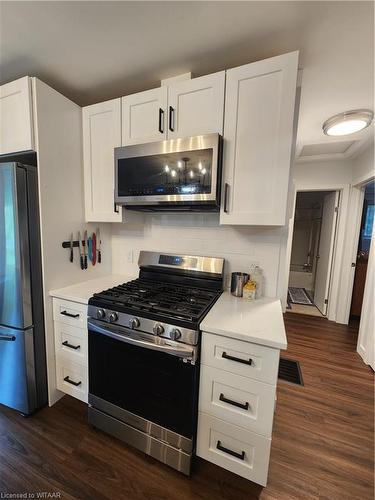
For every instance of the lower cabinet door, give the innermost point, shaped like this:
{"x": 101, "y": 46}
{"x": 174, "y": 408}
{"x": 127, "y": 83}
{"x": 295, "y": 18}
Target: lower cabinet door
{"x": 233, "y": 448}
{"x": 72, "y": 378}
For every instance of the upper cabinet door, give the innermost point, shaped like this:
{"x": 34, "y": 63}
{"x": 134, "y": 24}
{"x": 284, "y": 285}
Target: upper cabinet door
{"x": 101, "y": 134}
{"x": 196, "y": 106}
{"x": 144, "y": 117}
{"x": 258, "y": 140}
{"x": 16, "y": 125}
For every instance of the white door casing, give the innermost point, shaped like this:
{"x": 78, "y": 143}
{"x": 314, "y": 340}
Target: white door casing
{"x": 326, "y": 250}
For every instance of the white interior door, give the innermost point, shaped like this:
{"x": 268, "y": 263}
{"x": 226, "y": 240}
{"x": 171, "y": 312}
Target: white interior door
{"x": 325, "y": 252}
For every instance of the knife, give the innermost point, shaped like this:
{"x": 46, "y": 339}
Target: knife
{"x": 71, "y": 247}
{"x": 98, "y": 246}
{"x": 85, "y": 250}
{"x": 80, "y": 250}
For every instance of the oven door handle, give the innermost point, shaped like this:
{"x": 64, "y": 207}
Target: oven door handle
{"x": 122, "y": 334}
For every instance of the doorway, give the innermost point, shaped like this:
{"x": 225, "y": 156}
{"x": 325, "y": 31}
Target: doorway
{"x": 364, "y": 243}
{"x": 312, "y": 252}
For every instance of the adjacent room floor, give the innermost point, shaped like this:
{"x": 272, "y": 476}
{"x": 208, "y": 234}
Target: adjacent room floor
{"x": 322, "y": 443}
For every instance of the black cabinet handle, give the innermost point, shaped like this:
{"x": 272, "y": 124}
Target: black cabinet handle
{"x": 171, "y": 119}
{"x": 65, "y": 313}
{"x": 67, "y": 379}
{"x": 9, "y": 338}
{"x": 226, "y": 190}
{"x": 161, "y": 120}
{"x": 239, "y": 360}
{"x": 71, "y": 346}
{"x": 220, "y": 447}
{"x": 243, "y": 406}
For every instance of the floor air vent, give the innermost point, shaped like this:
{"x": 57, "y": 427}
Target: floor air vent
{"x": 290, "y": 371}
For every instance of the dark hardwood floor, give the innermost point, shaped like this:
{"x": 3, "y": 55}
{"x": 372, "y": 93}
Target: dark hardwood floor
{"x": 322, "y": 443}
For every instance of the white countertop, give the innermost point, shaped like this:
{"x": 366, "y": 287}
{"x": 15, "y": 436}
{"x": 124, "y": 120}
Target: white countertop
{"x": 81, "y": 292}
{"x": 258, "y": 321}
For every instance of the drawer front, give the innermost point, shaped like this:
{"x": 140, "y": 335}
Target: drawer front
{"x": 238, "y": 400}
{"x": 71, "y": 343}
{"x": 72, "y": 378}
{"x": 243, "y": 358}
{"x": 242, "y": 452}
{"x": 70, "y": 313}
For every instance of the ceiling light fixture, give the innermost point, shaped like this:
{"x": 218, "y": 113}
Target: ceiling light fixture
{"x": 348, "y": 122}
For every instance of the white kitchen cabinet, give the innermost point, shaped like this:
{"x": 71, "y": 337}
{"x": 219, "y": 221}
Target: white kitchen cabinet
{"x": 258, "y": 139}
{"x": 16, "y": 117}
{"x": 236, "y": 403}
{"x": 144, "y": 117}
{"x": 71, "y": 352}
{"x": 196, "y": 106}
{"x": 101, "y": 134}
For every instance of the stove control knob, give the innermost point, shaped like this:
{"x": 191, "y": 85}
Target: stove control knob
{"x": 100, "y": 313}
{"x": 158, "y": 329}
{"x": 134, "y": 323}
{"x": 175, "y": 334}
{"x": 113, "y": 317}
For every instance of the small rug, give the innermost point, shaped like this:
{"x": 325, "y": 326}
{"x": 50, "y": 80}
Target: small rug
{"x": 290, "y": 371}
{"x": 299, "y": 296}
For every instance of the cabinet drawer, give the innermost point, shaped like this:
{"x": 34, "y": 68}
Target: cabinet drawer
{"x": 71, "y": 342}
{"x": 237, "y": 400}
{"x": 70, "y": 313}
{"x": 243, "y": 358}
{"x": 72, "y": 378}
{"x": 242, "y": 452}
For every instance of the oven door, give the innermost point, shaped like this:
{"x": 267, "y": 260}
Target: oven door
{"x": 175, "y": 171}
{"x": 148, "y": 379}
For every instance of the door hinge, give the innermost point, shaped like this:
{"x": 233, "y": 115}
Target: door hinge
{"x": 326, "y": 301}
{"x": 336, "y": 209}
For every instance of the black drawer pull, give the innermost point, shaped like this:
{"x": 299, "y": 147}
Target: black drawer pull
{"x": 161, "y": 120}
{"x": 9, "y": 338}
{"x": 241, "y": 455}
{"x": 65, "y": 313}
{"x": 71, "y": 346}
{"x": 171, "y": 119}
{"x": 244, "y": 406}
{"x": 239, "y": 360}
{"x": 226, "y": 190}
{"x": 67, "y": 379}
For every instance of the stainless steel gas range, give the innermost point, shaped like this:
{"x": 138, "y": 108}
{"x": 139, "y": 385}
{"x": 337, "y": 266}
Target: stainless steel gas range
{"x": 144, "y": 346}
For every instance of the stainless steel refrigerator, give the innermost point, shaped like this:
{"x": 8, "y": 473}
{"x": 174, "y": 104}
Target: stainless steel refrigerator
{"x": 23, "y": 374}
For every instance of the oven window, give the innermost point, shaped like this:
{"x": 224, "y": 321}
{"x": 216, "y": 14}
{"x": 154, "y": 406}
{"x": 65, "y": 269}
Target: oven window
{"x": 153, "y": 385}
{"x": 187, "y": 172}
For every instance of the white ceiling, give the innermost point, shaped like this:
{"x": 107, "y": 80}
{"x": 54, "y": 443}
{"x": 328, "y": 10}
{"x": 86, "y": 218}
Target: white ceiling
{"x": 92, "y": 51}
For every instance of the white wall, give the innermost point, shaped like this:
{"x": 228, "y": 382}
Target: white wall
{"x": 197, "y": 234}
{"x": 363, "y": 166}
{"x": 59, "y": 146}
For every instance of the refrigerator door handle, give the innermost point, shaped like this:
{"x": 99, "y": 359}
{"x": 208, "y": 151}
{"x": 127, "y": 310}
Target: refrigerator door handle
{"x": 10, "y": 338}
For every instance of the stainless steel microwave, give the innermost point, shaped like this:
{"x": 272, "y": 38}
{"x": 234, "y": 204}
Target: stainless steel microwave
{"x": 173, "y": 175}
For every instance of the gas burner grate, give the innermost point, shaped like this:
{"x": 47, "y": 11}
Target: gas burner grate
{"x": 185, "y": 302}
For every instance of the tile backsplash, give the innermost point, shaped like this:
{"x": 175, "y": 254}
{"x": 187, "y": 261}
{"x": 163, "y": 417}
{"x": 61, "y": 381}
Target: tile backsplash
{"x": 198, "y": 234}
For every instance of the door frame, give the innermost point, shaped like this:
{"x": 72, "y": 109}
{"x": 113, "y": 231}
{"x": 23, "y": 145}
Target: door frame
{"x": 357, "y": 196}
{"x": 339, "y": 245}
